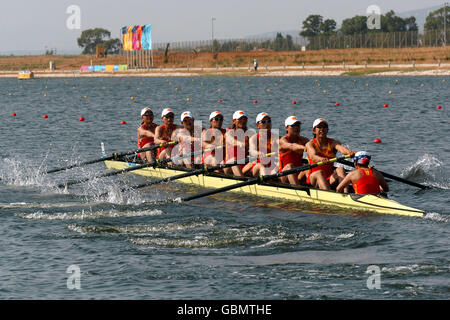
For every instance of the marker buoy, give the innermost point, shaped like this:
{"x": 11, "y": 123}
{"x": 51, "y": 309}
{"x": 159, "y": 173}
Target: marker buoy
{"x": 324, "y": 91}
{"x": 439, "y": 107}
{"x": 188, "y": 99}
{"x": 45, "y": 116}
{"x": 132, "y": 98}
{"x": 220, "y": 100}
{"x": 255, "y": 101}
{"x": 14, "y": 114}
{"x": 228, "y": 128}
{"x": 45, "y": 94}
{"x": 390, "y": 91}
{"x": 81, "y": 118}
{"x": 337, "y": 104}
{"x": 386, "y": 105}
{"x": 294, "y": 102}
{"x": 377, "y": 140}
{"x": 123, "y": 122}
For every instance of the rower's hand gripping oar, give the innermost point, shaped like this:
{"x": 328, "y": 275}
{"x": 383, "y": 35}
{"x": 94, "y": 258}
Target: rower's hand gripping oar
{"x": 137, "y": 167}
{"x": 260, "y": 179}
{"x": 194, "y": 172}
{"x": 114, "y": 156}
{"x": 390, "y": 176}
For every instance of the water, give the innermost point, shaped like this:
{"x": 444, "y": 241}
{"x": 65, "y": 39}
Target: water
{"x": 226, "y": 246}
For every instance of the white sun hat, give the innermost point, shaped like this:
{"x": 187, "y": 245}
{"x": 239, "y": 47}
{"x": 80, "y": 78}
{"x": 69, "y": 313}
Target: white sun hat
{"x": 214, "y": 114}
{"x": 166, "y": 111}
{"x": 186, "y": 114}
{"x": 291, "y": 120}
{"x": 261, "y": 116}
{"x": 318, "y": 121}
{"x": 239, "y": 114}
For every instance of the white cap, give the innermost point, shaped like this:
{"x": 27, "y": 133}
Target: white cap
{"x": 362, "y": 157}
{"x": 214, "y": 114}
{"x": 166, "y": 111}
{"x": 318, "y": 121}
{"x": 291, "y": 120}
{"x": 186, "y": 114}
{"x": 143, "y": 111}
{"x": 261, "y": 116}
{"x": 238, "y": 114}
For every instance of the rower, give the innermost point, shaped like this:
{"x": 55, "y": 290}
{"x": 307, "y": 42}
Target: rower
{"x": 365, "y": 180}
{"x": 146, "y": 134}
{"x": 291, "y": 148}
{"x": 212, "y": 140}
{"x": 321, "y": 149}
{"x": 262, "y": 143}
{"x": 163, "y": 134}
{"x": 189, "y": 138}
{"x": 237, "y": 144}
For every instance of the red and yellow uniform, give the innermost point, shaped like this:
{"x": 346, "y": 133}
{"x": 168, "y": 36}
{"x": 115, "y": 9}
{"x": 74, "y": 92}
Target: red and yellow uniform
{"x": 213, "y": 152}
{"x": 367, "y": 184}
{"x": 142, "y": 141}
{"x": 166, "y": 138}
{"x": 267, "y": 150}
{"x": 293, "y": 157}
{"x": 326, "y": 153}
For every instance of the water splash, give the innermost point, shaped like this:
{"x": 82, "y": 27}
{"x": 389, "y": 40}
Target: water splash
{"x": 22, "y": 172}
{"x": 434, "y": 216}
{"x": 88, "y": 214}
{"x": 428, "y": 169}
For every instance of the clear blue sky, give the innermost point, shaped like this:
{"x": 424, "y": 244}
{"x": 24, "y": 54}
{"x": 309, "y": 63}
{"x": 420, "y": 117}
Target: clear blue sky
{"x": 35, "y": 25}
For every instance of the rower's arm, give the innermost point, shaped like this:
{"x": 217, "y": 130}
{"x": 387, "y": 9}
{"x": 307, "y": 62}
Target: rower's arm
{"x": 312, "y": 153}
{"x": 253, "y": 147}
{"x": 342, "y": 149}
{"x": 381, "y": 180}
{"x": 344, "y": 183}
{"x": 158, "y": 136}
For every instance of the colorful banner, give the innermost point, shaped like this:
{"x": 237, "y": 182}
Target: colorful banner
{"x": 137, "y": 38}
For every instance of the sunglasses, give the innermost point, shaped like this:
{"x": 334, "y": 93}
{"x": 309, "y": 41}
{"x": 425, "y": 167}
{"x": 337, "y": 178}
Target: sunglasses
{"x": 148, "y": 114}
{"x": 322, "y": 126}
{"x": 297, "y": 125}
{"x": 217, "y": 119}
{"x": 265, "y": 121}
{"x": 169, "y": 116}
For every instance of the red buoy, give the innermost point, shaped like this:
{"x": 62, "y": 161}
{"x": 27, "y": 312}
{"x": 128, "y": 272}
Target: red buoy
{"x": 45, "y": 116}
{"x": 14, "y": 114}
{"x": 294, "y": 102}
{"x": 81, "y": 118}
{"x": 337, "y": 104}
{"x": 377, "y": 140}
{"x": 220, "y": 100}
{"x": 255, "y": 101}
{"x": 439, "y": 107}
{"x": 123, "y": 122}
{"x": 228, "y": 128}
{"x": 385, "y": 105}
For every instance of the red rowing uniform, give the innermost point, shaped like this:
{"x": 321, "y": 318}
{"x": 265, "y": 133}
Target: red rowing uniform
{"x": 326, "y": 153}
{"x": 367, "y": 184}
{"x": 267, "y": 150}
{"x": 235, "y": 151}
{"x": 142, "y": 141}
{"x": 166, "y": 138}
{"x": 213, "y": 152}
{"x": 293, "y": 157}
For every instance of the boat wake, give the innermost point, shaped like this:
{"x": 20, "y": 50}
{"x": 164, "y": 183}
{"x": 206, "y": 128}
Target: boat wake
{"x": 22, "y": 173}
{"x": 428, "y": 170}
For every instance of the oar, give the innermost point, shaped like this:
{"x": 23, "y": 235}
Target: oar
{"x": 197, "y": 172}
{"x": 113, "y": 156}
{"x": 137, "y": 167}
{"x": 260, "y": 179}
{"x": 390, "y": 176}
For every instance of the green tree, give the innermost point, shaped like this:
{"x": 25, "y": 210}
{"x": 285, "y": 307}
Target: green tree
{"x": 90, "y": 38}
{"x": 357, "y": 24}
{"x": 435, "y": 19}
{"x": 312, "y": 25}
{"x": 328, "y": 27}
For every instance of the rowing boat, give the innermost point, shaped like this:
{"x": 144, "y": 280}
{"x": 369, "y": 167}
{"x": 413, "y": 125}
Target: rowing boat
{"x": 305, "y": 194}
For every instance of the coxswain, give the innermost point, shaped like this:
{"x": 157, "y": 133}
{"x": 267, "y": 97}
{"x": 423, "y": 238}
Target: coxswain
{"x": 291, "y": 148}
{"x": 163, "y": 134}
{"x": 213, "y": 139}
{"x": 189, "y": 140}
{"x": 365, "y": 180}
{"x": 321, "y": 149}
{"x": 146, "y": 135}
{"x": 237, "y": 145}
{"x": 262, "y": 143}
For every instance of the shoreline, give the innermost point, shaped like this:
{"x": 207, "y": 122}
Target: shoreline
{"x": 267, "y": 71}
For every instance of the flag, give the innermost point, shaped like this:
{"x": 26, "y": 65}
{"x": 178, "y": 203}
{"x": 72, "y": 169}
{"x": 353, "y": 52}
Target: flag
{"x": 146, "y": 41}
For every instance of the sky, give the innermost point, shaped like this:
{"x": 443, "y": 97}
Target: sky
{"x": 28, "y": 26}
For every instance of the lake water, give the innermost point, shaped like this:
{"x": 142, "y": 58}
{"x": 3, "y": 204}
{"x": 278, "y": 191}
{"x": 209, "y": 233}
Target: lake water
{"x": 227, "y": 246}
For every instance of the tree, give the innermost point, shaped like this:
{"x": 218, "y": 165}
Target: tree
{"x": 435, "y": 19}
{"x": 357, "y": 24}
{"x": 312, "y": 25}
{"x": 90, "y": 38}
{"x": 328, "y": 27}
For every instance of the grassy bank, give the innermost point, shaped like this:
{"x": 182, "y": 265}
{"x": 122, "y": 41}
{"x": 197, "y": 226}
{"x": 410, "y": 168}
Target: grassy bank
{"x": 363, "y": 58}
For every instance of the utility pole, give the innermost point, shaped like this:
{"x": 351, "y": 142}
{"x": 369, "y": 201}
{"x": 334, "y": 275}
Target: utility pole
{"x": 212, "y": 33}
{"x": 445, "y": 23}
